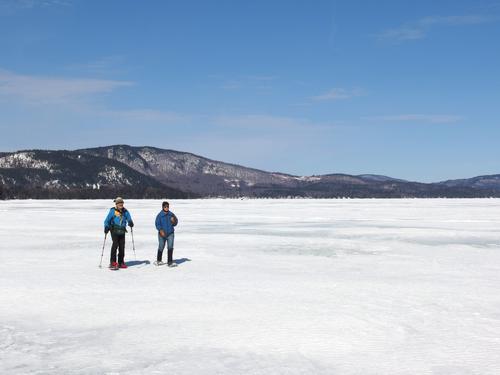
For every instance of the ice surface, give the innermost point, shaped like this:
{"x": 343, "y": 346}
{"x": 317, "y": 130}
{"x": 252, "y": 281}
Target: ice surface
{"x": 263, "y": 287}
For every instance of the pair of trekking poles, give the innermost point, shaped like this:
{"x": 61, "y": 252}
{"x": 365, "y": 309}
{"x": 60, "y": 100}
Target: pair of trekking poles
{"x": 104, "y": 245}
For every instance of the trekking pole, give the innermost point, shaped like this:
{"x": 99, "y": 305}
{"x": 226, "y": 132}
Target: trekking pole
{"x": 103, "y": 245}
{"x": 133, "y": 243}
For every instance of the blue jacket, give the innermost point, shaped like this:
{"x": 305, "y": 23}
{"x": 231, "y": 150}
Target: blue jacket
{"x": 163, "y": 221}
{"x": 117, "y": 219}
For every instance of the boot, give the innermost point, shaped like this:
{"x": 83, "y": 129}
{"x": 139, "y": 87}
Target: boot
{"x": 158, "y": 258}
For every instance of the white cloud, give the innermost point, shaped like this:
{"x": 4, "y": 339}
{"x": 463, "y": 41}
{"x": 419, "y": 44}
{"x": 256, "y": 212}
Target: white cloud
{"x": 262, "y": 78}
{"x": 339, "y": 94}
{"x": 433, "y": 119}
{"x": 402, "y": 34}
{"x": 104, "y": 65}
{"x": 42, "y": 90}
{"x": 454, "y": 20}
{"x": 77, "y": 96}
{"x": 421, "y": 28}
{"x": 232, "y": 85}
{"x": 147, "y": 115}
{"x": 13, "y": 5}
{"x": 248, "y": 82}
{"x": 282, "y": 131}
{"x": 254, "y": 121}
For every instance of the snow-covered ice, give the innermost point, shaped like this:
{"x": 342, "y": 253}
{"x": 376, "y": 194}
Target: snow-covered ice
{"x": 263, "y": 287}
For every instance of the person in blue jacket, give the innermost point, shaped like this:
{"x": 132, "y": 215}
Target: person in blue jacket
{"x": 116, "y": 222}
{"x": 165, "y": 223}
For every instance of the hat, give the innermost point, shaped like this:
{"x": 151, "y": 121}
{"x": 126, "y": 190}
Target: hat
{"x": 118, "y": 200}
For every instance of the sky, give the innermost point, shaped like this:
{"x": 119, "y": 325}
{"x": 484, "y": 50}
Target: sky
{"x": 408, "y": 89}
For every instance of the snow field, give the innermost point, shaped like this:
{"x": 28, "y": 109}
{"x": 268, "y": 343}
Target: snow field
{"x": 262, "y": 287}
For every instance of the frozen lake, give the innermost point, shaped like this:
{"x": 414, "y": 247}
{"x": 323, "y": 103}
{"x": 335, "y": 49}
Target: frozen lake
{"x": 263, "y": 287}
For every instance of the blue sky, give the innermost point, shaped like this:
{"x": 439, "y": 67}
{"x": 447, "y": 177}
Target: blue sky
{"x": 408, "y": 89}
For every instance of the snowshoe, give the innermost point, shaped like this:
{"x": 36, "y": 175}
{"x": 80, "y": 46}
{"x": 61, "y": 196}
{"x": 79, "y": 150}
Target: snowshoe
{"x": 113, "y": 266}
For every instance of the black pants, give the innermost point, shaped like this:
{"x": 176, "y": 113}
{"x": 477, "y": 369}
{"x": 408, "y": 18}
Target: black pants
{"x": 118, "y": 243}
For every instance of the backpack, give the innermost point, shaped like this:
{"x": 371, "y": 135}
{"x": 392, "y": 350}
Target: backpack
{"x": 118, "y": 229}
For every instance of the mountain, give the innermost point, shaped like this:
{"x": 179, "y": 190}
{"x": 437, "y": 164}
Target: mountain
{"x": 378, "y": 178}
{"x": 491, "y": 182}
{"x": 70, "y": 174}
{"x": 206, "y": 177}
{"x": 197, "y": 174}
{"x": 149, "y": 172}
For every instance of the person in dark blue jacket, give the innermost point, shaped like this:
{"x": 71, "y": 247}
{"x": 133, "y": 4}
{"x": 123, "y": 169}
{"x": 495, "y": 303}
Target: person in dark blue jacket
{"x": 116, "y": 222}
{"x": 165, "y": 223}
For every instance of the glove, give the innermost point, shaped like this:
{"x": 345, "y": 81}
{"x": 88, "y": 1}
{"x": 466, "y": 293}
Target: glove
{"x": 173, "y": 220}
{"x": 162, "y": 233}
{"x": 131, "y": 224}
{"x": 106, "y": 230}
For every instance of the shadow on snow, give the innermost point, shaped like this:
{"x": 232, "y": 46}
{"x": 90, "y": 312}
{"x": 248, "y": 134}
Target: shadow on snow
{"x": 182, "y": 260}
{"x": 134, "y": 263}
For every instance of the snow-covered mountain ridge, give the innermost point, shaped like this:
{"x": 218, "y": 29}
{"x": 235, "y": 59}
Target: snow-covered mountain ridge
{"x": 69, "y": 174}
{"x": 154, "y": 172}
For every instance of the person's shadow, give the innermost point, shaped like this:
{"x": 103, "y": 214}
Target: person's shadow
{"x": 182, "y": 260}
{"x": 134, "y": 263}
